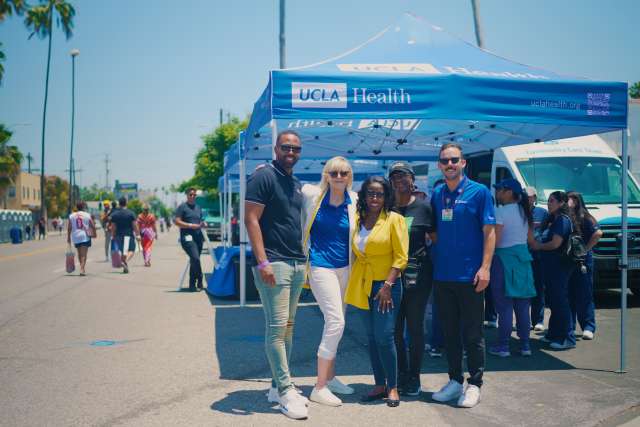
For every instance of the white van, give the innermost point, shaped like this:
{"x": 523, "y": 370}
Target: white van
{"x": 587, "y": 165}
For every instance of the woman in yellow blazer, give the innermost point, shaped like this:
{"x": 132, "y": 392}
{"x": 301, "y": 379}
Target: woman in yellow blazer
{"x": 380, "y": 243}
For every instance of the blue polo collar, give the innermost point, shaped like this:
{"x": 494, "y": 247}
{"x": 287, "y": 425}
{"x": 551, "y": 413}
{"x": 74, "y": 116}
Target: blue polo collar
{"x": 327, "y": 197}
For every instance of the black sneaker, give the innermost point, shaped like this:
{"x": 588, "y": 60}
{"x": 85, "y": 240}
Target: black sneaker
{"x": 412, "y": 387}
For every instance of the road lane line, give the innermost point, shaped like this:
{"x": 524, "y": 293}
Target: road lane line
{"x": 36, "y": 252}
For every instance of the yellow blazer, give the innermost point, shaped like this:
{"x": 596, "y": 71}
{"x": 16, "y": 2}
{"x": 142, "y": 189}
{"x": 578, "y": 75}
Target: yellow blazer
{"x": 386, "y": 247}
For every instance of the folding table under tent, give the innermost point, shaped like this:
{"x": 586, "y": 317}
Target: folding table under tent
{"x": 413, "y": 87}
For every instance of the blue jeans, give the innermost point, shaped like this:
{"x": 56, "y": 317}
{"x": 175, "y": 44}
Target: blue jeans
{"x": 556, "y": 279}
{"x": 581, "y": 298}
{"x": 537, "y": 302}
{"x": 380, "y": 329}
{"x": 280, "y": 304}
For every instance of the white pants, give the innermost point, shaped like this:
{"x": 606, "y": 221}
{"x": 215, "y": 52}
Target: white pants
{"x": 328, "y": 286}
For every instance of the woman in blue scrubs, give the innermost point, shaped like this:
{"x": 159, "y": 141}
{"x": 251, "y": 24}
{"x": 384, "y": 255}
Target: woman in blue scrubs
{"x": 558, "y": 270}
{"x": 581, "y": 281}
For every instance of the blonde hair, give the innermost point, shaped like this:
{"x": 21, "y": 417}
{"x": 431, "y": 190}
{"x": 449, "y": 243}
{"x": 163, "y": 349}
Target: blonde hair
{"x": 337, "y": 163}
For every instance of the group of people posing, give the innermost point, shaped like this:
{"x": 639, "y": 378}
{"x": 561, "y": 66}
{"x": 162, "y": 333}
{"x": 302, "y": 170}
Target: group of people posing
{"x": 384, "y": 251}
{"x": 122, "y": 228}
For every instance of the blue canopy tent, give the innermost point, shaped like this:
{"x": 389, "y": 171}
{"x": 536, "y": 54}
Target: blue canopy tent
{"x": 412, "y": 87}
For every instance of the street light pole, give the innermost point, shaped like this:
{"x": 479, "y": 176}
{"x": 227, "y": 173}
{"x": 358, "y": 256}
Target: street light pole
{"x": 74, "y": 53}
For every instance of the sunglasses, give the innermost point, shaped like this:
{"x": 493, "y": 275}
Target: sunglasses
{"x": 342, "y": 174}
{"x": 191, "y": 195}
{"x": 290, "y": 148}
{"x": 375, "y": 194}
{"x": 453, "y": 160}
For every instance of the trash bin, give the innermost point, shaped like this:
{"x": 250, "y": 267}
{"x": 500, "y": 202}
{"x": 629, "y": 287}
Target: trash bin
{"x": 16, "y": 235}
{"x": 252, "y": 292}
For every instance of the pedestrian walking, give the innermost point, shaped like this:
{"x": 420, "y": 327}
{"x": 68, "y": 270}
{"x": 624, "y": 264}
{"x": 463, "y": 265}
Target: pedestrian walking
{"x": 106, "y": 225}
{"x": 27, "y": 231}
{"x": 511, "y": 275}
{"x": 42, "y": 228}
{"x": 274, "y": 224}
{"x": 581, "y": 280}
{"x": 148, "y": 232}
{"x": 416, "y": 278}
{"x": 381, "y": 244}
{"x": 558, "y": 269}
{"x": 464, "y": 242}
{"x": 329, "y": 221}
{"x": 539, "y": 215}
{"x": 124, "y": 228}
{"x": 189, "y": 221}
{"x": 80, "y": 230}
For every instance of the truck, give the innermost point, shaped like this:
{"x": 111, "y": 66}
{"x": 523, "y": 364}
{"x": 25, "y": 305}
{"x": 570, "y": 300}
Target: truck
{"x": 212, "y": 217}
{"x": 585, "y": 164}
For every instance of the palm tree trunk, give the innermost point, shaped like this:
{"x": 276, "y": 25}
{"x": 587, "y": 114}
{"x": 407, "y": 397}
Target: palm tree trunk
{"x": 43, "y": 211}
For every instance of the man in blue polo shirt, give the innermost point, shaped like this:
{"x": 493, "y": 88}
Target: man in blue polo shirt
{"x": 464, "y": 223}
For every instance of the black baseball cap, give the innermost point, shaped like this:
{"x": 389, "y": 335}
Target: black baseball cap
{"x": 403, "y": 167}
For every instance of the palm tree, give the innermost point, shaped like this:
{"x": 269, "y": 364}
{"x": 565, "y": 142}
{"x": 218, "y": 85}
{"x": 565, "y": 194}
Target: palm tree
{"x": 8, "y": 8}
{"x": 40, "y": 20}
{"x": 10, "y": 160}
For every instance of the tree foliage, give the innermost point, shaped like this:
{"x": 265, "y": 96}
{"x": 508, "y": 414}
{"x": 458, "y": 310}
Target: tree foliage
{"x": 209, "y": 160}
{"x": 634, "y": 91}
{"x": 135, "y": 205}
{"x": 56, "y": 192}
{"x": 96, "y": 193}
{"x": 10, "y": 160}
{"x": 39, "y": 18}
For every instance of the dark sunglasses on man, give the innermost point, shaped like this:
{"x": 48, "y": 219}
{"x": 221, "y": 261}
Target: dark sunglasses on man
{"x": 453, "y": 160}
{"x": 286, "y": 148}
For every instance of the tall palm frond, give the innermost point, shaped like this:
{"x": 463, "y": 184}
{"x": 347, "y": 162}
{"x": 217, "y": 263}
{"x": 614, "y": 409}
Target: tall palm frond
{"x": 9, "y": 7}
{"x": 39, "y": 18}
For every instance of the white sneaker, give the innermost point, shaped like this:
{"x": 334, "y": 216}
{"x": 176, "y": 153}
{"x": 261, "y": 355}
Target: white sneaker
{"x": 452, "y": 390}
{"x": 538, "y": 328}
{"x": 337, "y": 386}
{"x": 292, "y": 406}
{"x": 274, "y": 397}
{"x": 587, "y": 335}
{"x": 324, "y": 397}
{"x": 470, "y": 398}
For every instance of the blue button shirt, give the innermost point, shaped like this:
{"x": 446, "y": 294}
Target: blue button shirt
{"x": 330, "y": 235}
{"x": 457, "y": 254}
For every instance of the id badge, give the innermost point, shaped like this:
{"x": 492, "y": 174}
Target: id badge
{"x": 188, "y": 238}
{"x": 447, "y": 214}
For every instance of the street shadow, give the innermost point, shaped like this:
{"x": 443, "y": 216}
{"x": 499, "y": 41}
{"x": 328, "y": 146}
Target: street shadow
{"x": 610, "y": 299}
{"x": 245, "y": 402}
{"x": 239, "y": 347}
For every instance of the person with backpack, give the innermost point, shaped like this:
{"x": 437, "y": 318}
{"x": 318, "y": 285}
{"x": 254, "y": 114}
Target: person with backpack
{"x": 558, "y": 268}
{"x": 511, "y": 275}
{"x": 581, "y": 281}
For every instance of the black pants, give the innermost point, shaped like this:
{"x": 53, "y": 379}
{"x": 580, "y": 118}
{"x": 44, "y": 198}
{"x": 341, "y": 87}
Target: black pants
{"x": 461, "y": 311}
{"x": 411, "y": 315}
{"x": 193, "y": 249}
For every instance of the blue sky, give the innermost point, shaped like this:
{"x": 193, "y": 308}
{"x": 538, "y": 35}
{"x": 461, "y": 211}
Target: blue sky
{"x": 152, "y": 76}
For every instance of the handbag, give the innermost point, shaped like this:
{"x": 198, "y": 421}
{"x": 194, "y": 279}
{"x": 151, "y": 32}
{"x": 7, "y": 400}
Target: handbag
{"x": 412, "y": 271}
{"x": 70, "y": 261}
{"x": 116, "y": 255}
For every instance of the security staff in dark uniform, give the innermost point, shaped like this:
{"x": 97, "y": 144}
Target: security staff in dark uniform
{"x": 189, "y": 220}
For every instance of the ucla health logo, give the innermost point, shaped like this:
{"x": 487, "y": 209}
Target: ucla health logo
{"x": 318, "y": 95}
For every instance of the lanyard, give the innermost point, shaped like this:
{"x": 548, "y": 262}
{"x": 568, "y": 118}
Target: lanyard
{"x": 448, "y": 205}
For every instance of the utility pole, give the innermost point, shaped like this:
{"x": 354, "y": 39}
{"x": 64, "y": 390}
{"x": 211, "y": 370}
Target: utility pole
{"x": 228, "y": 117}
{"x": 106, "y": 170}
{"x": 283, "y": 58}
{"x": 476, "y": 23}
{"x": 221, "y": 117}
{"x": 29, "y": 158}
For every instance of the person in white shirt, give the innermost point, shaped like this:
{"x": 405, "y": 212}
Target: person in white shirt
{"x": 80, "y": 230}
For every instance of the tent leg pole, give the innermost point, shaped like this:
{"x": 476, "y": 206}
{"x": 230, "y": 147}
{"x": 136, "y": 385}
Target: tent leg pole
{"x": 624, "y": 261}
{"x": 243, "y": 235}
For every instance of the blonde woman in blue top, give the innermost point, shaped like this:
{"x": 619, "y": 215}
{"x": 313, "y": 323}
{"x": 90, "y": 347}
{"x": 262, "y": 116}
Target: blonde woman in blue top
{"x": 329, "y": 213}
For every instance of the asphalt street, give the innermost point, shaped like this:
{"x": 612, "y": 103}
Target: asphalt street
{"x": 111, "y": 349}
